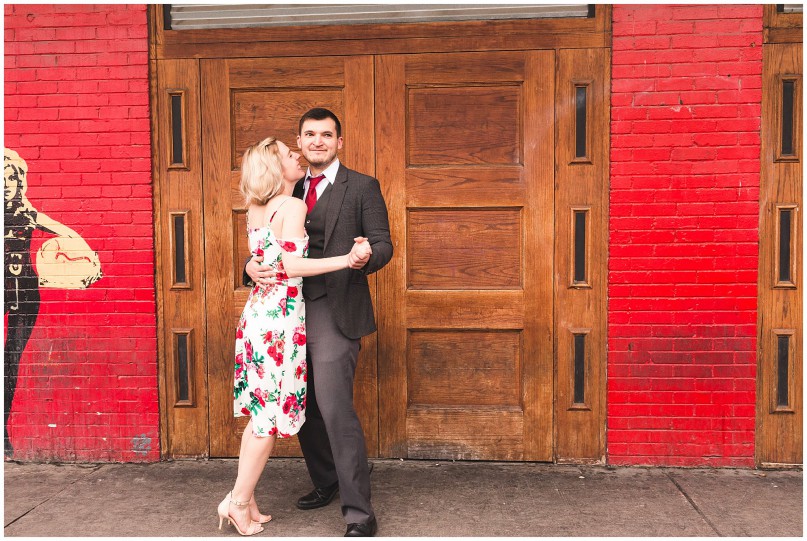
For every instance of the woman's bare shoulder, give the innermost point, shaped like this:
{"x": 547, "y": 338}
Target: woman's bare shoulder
{"x": 295, "y": 205}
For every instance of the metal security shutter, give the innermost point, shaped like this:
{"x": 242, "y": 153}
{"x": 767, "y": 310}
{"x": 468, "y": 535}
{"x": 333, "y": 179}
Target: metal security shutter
{"x": 198, "y": 16}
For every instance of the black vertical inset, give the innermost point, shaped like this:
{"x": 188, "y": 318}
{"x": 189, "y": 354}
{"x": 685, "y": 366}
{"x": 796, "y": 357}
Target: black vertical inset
{"x": 167, "y": 16}
{"x": 782, "y": 352}
{"x": 176, "y": 129}
{"x": 580, "y": 122}
{"x": 183, "y": 387}
{"x": 179, "y": 249}
{"x": 785, "y": 225}
{"x": 592, "y": 11}
{"x": 788, "y": 89}
{"x": 579, "y": 368}
{"x": 579, "y": 246}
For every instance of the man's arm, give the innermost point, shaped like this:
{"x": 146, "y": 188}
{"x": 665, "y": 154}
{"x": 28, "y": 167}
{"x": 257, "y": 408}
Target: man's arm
{"x": 375, "y": 225}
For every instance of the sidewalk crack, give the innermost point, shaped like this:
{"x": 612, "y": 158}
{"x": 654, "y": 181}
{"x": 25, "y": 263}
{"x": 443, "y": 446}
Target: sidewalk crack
{"x": 95, "y": 469}
{"x": 693, "y": 504}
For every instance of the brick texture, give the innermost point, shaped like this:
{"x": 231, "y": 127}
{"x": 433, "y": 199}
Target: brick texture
{"x": 76, "y": 109}
{"x": 684, "y": 200}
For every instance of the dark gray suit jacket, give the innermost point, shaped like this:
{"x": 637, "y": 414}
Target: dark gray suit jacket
{"x": 356, "y": 208}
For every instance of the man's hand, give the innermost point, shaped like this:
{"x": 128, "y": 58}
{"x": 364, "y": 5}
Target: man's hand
{"x": 360, "y": 254}
{"x": 262, "y": 275}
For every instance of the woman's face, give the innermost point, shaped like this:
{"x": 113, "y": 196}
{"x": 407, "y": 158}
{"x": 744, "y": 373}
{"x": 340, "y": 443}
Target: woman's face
{"x": 289, "y": 163}
{"x": 14, "y": 177}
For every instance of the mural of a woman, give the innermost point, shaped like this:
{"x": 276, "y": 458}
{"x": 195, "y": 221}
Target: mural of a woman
{"x": 22, "y": 283}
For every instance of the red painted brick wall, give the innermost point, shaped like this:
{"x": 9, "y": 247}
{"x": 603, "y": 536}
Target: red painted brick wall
{"x": 76, "y": 109}
{"x": 685, "y": 147}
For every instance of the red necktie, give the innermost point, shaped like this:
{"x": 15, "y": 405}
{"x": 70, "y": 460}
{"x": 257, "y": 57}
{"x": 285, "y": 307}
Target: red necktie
{"x": 311, "y": 196}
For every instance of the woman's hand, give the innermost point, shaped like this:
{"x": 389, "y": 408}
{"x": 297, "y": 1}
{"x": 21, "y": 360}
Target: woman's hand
{"x": 360, "y": 253}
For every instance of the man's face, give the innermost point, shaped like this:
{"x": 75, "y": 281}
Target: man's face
{"x": 319, "y": 143}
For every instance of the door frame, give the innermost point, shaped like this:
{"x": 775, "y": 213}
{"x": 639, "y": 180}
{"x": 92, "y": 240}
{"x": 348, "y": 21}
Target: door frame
{"x": 374, "y": 39}
{"x": 778, "y": 435}
{"x": 570, "y": 36}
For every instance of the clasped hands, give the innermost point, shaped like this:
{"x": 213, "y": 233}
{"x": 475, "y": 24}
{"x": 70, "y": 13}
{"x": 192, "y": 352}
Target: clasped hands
{"x": 360, "y": 253}
{"x": 266, "y": 276}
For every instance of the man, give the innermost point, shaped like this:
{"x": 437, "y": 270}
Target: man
{"x": 342, "y": 204}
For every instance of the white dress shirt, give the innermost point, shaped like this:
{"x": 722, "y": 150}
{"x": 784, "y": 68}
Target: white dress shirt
{"x": 330, "y": 177}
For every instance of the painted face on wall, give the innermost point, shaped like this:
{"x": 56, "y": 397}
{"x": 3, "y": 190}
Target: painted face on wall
{"x": 319, "y": 142}
{"x": 14, "y": 177}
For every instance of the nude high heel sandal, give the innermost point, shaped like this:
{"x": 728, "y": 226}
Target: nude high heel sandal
{"x": 224, "y": 513}
{"x": 263, "y": 519}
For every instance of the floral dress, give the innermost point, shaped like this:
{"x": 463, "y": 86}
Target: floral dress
{"x": 270, "y": 367}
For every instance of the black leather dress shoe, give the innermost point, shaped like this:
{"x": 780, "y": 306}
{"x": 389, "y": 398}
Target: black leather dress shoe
{"x": 319, "y": 497}
{"x": 368, "y": 529}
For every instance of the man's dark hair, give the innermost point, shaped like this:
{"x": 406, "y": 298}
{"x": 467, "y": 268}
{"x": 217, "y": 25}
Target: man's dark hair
{"x": 320, "y": 113}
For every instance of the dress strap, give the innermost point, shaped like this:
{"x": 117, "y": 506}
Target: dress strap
{"x": 277, "y": 209}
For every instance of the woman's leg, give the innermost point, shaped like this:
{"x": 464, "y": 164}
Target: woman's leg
{"x": 255, "y": 513}
{"x": 251, "y": 461}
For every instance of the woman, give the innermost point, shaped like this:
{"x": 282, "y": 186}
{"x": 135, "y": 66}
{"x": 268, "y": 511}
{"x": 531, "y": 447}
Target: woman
{"x": 270, "y": 367}
{"x": 21, "y": 303}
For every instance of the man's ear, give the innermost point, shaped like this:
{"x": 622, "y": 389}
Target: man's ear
{"x": 339, "y": 143}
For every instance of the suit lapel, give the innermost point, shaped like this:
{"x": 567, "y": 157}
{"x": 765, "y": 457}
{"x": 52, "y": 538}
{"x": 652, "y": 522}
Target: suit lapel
{"x": 335, "y": 203}
{"x": 299, "y": 189}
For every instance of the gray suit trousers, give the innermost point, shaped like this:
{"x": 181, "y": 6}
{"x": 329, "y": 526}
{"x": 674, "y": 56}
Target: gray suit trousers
{"x": 331, "y": 438}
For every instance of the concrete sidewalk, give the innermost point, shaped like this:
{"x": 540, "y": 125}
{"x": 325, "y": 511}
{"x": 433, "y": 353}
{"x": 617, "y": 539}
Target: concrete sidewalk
{"x": 411, "y": 498}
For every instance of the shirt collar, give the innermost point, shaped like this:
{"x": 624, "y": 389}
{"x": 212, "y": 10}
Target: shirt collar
{"x": 330, "y": 172}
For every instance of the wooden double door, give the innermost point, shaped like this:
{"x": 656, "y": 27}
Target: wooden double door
{"x": 464, "y": 362}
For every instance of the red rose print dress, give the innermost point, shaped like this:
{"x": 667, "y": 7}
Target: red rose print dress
{"x": 270, "y": 367}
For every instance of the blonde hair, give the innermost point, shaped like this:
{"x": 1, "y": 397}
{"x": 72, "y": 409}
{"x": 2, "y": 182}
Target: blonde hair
{"x": 261, "y": 172}
{"x": 10, "y": 156}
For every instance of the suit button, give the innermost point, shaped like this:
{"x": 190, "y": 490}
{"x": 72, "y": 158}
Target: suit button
{"x": 308, "y": 221}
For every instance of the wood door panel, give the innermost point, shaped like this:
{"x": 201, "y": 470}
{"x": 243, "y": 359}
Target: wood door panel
{"x": 492, "y": 68}
{"x": 464, "y": 249}
{"x": 464, "y": 125}
{"x": 317, "y": 72}
{"x": 455, "y": 309}
{"x": 780, "y": 359}
{"x": 248, "y": 100}
{"x": 182, "y": 306}
{"x": 469, "y": 433}
{"x": 451, "y": 186}
{"x": 581, "y": 305}
{"x": 469, "y": 335}
{"x": 218, "y": 278}
{"x": 446, "y": 368}
{"x": 257, "y": 114}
